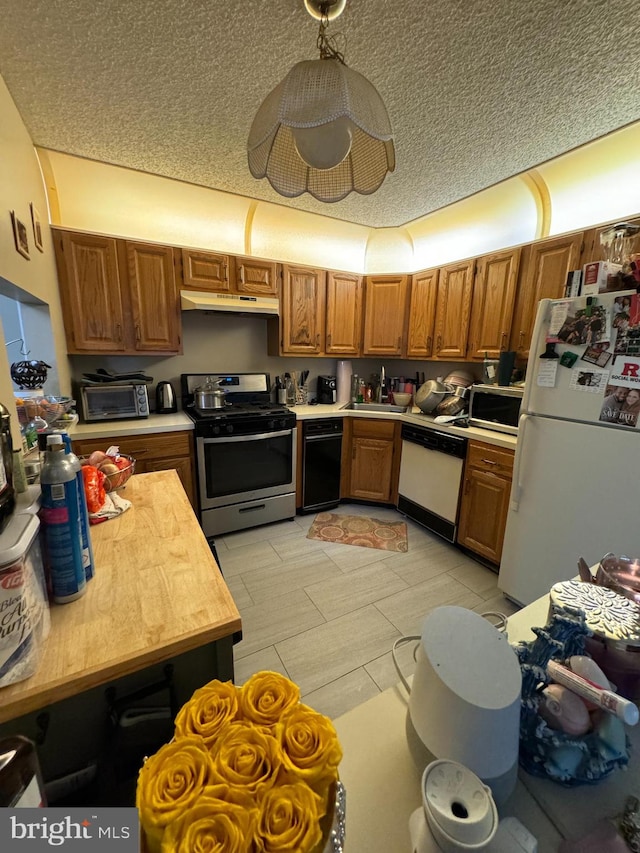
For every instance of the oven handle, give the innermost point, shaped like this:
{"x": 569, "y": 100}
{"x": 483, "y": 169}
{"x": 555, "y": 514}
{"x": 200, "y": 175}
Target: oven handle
{"x": 252, "y": 437}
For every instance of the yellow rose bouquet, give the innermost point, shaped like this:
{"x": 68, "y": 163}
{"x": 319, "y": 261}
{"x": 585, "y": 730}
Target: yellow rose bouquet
{"x": 250, "y": 770}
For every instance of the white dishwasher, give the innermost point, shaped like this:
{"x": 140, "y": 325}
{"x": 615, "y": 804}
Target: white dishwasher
{"x": 430, "y": 478}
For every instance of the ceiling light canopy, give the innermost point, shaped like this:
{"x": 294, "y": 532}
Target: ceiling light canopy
{"x": 324, "y": 129}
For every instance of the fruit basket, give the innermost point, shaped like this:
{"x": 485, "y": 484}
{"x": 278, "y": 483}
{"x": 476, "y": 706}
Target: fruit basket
{"x": 49, "y": 407}
{"x": 116, "y": 470}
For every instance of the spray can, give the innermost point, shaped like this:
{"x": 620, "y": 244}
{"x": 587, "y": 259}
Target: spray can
{"x": 60, "y": 516}
{"x": 87, "y": 548}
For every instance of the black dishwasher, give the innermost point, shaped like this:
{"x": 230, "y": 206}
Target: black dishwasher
{"x": 321, "y": 451}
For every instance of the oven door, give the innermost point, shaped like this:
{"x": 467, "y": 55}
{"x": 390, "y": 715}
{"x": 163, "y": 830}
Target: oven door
{"x": 245, "y": 468}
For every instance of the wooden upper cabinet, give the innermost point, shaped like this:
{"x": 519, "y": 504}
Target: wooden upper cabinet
{"x": 205, "y": 271}
{"x": 255, "y": 277}
{"x": 154, "y": 297}
{"x": 90, "y": 292}
{"x": 302, "y": 310}
{"x": 384, "y": 314}
{"x": 453, "y": 310}
{"x": 543, "y": 275}
{"x": 494, "y": 291}
{"x": 344, "y": 314}
{"x": 422, "y": 310}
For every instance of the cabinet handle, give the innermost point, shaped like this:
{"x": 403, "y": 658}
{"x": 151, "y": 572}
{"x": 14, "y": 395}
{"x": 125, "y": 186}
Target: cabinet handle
{"x": 467, "y": 483}
{"x": 503, "y": 344}
{"x": 140, "y": 452}
{"x": 438, "y": 343}
{"x": 318, "y": 341}
{"x": 328, "y": 340}
{"x": 241, "y": 273}
{"x": 137, "y": 331}
{"x": 353, "y": 452}
{"x": 488, "y": 461}
{"x": 520, "y": 340}
{"x": 428, "y": 343}
{"x": 118, "y": 332}
{"x": 399, "y": 341}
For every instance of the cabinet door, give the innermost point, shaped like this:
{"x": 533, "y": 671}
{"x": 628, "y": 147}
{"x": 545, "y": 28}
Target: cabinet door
{"x": 205, "y": 271}
{"x": 344, "y": 314}
{"x": 494, "y": 290}
{"x": 453, "y": 310}
{"x": 543, "y": 275}
{"x": 483, "y": 513}
{"x": 154, "y": 298}
{"x": 371, "y": 464}
{"x": 422, "y": 309}
{"x": 302, "y": 305}
{"x": 384, "y": 313}
{"x": 256, "y": 277}
{"x": 90, "y": 292}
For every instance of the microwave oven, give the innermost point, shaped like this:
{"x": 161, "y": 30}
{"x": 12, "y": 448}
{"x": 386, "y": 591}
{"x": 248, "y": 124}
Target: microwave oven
{"x": 113, "y": 402}
{"x": 495, "y": 407}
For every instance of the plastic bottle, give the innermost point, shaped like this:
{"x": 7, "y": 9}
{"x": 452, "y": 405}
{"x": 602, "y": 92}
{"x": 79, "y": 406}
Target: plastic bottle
{"x": 21, "y": 784}
{"x": 60, "y": 516}
{"x": 87, "y": 547}
{"x": 7, "y": 492}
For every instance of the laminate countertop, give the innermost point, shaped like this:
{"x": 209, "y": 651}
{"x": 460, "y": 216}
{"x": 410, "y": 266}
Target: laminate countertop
{"x": 181, "y": 421}
{"x": 157, "y": 593}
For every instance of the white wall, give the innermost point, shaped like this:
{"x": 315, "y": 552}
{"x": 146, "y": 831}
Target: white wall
{"x": 27, "y": 280}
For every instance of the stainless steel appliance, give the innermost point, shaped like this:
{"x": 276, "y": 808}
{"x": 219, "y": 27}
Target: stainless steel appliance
{"x": 327, "y": 389}
{"x": 111, "y": 401}
{"x": 245, "y": 453}
{"x": 495, "y": 407}
{"x": 166, "y": 401}
{"x": 321, "y": 454}
{"x": 430, "y": 478}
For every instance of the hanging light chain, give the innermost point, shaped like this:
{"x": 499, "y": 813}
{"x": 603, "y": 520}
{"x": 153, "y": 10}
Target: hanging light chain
{"x": 327, "y": 44}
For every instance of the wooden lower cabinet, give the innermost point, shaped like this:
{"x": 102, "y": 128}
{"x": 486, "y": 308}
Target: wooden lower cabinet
{"x": 370, "y": 460}
{"x": 485, "y": 499}
{"x": 159, "y": 451}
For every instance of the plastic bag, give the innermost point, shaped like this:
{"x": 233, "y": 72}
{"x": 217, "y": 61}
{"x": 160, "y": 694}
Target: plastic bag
{"x": 93, "y": 487}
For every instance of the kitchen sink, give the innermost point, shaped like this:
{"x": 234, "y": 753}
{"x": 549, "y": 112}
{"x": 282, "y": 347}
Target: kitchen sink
{"x": 374, "y": 407}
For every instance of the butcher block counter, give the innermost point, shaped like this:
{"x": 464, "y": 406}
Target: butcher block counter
{"x": 157, "y": 594}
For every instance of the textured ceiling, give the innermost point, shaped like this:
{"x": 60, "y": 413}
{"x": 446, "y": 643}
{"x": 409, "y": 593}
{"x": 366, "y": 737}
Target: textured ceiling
{"x": 477, "y": 90}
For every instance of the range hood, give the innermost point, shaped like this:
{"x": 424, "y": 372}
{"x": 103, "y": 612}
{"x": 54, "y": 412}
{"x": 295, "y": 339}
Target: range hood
{"x": 197, "y": 300}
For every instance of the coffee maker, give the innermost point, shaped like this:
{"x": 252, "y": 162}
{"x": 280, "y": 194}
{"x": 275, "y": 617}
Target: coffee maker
{"x": 326, "y": 391}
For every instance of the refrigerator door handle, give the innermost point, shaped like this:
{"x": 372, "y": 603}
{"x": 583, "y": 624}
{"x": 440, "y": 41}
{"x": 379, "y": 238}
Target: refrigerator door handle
{"x": 516, "y": 489}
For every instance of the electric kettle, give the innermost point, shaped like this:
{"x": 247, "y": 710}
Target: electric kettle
{"x": 166, "y": 401}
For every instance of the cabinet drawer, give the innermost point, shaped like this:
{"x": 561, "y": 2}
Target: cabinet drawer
{"x": 363, "y": 428}
{"x": 486, "y": 457}
{"x": 155, "y": 446}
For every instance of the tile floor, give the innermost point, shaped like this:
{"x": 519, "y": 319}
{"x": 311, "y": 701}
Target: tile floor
{"x": 326, "y": 615}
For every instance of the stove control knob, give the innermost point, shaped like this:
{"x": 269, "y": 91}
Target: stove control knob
{"x": 271, "y": 424}
{"x": 229, "y": 428}
{"x": 283, "y": 424}
{"x": 216, "y": 430}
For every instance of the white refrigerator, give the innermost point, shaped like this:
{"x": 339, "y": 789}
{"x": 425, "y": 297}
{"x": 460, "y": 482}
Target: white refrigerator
{"x": 576, "y": 478}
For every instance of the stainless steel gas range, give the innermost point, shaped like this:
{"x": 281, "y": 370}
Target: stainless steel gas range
{"x": 245, "y": 453}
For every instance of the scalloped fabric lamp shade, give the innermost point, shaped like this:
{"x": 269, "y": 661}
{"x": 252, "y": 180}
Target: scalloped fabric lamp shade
{"x": 343, "y": 106}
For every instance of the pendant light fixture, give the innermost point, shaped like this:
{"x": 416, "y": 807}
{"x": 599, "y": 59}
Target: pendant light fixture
{"x": 324, "y": 129}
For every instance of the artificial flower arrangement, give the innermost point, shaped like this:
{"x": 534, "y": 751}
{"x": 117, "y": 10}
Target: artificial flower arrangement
{"x": 249, "y": 770}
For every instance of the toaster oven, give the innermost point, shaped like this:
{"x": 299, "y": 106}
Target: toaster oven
{"x": 113, "y": 401}
{"x": 495, "y": 407}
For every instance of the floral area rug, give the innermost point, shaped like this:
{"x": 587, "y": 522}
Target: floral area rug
{"x": 359, "y": 530}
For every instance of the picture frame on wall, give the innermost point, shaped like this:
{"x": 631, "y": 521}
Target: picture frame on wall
{"x": 37, "y": 228}
{"x": 20, "y": 236}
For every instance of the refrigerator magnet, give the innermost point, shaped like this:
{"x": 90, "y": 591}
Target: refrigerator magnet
{"x": 568, "y": 359}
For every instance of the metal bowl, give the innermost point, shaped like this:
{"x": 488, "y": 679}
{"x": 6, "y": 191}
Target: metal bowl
{"x": 49, "y": 407}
